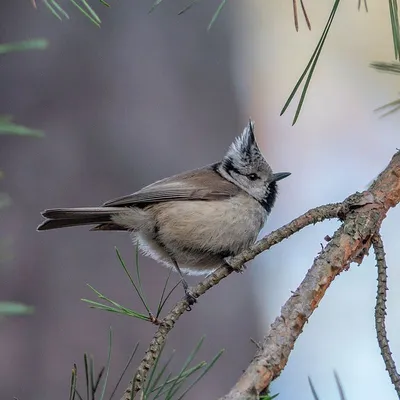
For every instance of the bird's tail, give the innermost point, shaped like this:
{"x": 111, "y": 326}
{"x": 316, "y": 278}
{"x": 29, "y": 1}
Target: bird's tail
{"x": 65, "y": 217}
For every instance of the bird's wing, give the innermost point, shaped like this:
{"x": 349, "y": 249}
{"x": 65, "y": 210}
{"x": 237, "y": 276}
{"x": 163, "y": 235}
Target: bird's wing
{"x": 200, "y": 184}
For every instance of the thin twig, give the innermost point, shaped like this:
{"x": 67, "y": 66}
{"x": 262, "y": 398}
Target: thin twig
{"x": 380, "y": 312}
{"x": 365, "y": 5}
{"x": 339, "y": 385}
{"x": 305, "y": 15}
{"x": 313, "y": 216}
{"x": 295, "y": 15}
{"x": 296, "y": 19}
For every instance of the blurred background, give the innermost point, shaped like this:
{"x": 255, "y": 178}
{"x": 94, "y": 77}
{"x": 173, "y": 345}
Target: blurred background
{"x": 149, "y": 95}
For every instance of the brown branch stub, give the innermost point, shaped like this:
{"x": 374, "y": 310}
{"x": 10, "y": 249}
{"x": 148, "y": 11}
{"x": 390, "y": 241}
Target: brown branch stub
{"x": 365, "y": 212}
{"x": 313, "y": 216}
{"x": 295, "y": 15}
{"x": 380, "y": 312}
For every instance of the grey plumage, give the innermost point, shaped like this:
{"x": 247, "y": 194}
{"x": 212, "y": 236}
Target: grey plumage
{"x": 192, "y": 220}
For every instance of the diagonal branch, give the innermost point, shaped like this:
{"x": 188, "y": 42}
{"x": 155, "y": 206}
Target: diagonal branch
{"x": 364, "y": 214}
{"x": 310, "y": 217}
{"x": 380, "y": 312}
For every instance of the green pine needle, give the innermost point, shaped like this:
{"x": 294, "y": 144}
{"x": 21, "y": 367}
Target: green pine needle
{"x": 91, "y": 383}
{"x": 152, "y": 390}
{"x": 389, "y": 67}
{"x": 392, "y": 68}
{"x": 188, "y": 7}
{"x": 99, "y": 376}
{"x": 116, "y": 308}
{"x": 140, "y": 287}
{"x": 365, "y": 5}
{"x": 394, "y": 105}
{"x": 72, "y": 389}
{"x": 5, "y": 200}
{"x": 170, "y": 386}
{"x": 163, "y": 300}
{"x": 186, "y": 364}
{"x": 88, "y": 11}
{"x": 107, "y": 365}
{"x": 124, "y": 370}
{"x": 339, "y": 386}
{"x": 309, "y": 70}
{"x": 206, "y": 369}
{"x": 82, "y": 5}
{"x": 153, "y": 371}
{"x": 394, "y": 21}
{"x": 152, "y": 386}
{"x": 155, "y": 5}
{"x": 313, "y": 391}
{"x": 9, "y": 127}
{"x": 59, "y": 9}
{"x": 137, "y": 289}
{"x": 10, "y": 308}
{"x": 33, "y": 44}
{"x": 91, "y": 378}
{"x": 179, "y": 381}
{"x": 160, "y": 303}
{"x": 216, "y": 14}
{"x": 56, "y": 9}
{"x": 268, "y": 397}
{"x": 87, "y": 373}
{"x": 160, "y": 388}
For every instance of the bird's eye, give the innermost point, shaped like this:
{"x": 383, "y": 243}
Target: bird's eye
{"x": 253, "y": 177}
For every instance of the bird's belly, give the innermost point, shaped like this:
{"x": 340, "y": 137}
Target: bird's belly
{"x": 200, "y": 234}
{"x": 190, "y": 261}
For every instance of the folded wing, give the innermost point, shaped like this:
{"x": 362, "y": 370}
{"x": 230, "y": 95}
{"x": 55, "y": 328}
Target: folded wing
{"x": 201, "y": 184}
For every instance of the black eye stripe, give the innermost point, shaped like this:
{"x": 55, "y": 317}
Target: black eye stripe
{"x": 229, "y": 167}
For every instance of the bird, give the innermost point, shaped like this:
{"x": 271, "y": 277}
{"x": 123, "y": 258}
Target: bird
{"x": 194, "y": 221}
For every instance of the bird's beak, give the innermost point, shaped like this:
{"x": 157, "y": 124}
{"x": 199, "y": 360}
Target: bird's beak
{"x": 279, "y": 175}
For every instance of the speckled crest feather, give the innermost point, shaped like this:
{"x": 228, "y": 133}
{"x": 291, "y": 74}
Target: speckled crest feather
{"x": 244, "y": 150}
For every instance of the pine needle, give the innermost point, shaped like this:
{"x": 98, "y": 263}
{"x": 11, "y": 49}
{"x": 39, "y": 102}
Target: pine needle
{"x": 309, "y": 70}
{"x": 216, "y": 14}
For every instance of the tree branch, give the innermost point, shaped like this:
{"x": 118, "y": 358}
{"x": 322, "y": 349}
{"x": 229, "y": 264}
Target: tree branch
{"x": 380, "y": 312}
{"x": 310, "y": 217}
{"x": 364, "y": 214}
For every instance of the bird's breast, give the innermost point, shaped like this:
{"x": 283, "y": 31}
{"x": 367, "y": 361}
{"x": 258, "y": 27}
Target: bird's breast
{"x": 220, "y": 226}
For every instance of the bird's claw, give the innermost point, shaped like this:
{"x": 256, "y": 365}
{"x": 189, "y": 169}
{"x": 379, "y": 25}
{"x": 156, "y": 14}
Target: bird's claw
{"x": 190, "y": 298}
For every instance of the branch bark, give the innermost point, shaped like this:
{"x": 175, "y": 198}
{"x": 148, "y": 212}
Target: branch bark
{"x": 380, "y": 312}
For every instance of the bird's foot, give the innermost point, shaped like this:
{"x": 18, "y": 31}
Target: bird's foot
{"x": 190, "y": 298}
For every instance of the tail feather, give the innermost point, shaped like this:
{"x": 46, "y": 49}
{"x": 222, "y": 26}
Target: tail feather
{"x": 66, "y": 217}
{"x": 109, "y": 227}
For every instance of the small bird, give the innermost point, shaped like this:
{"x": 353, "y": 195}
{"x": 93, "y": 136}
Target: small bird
{"x": 195, "y": 220}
